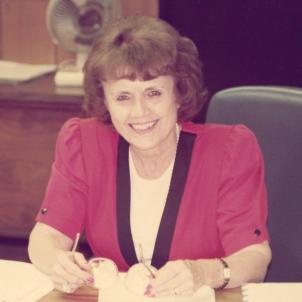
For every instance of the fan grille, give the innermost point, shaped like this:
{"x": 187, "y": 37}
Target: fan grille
{"x": 75, "y": 27}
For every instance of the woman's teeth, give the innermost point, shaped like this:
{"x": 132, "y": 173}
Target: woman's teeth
{"x": 144, "y": 126}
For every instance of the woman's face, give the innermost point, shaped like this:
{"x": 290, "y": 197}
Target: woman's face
{"x": 143, "y": 112}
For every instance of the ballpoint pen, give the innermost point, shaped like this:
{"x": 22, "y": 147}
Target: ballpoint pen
{"x": 66, "y": 286}
{"x": 75, "y": 243}
{"x": 143, "y": 262}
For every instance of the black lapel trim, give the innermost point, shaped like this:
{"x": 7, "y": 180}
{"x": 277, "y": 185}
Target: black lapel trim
{"x": 177, "y": 186}
{"x": 123, "y": 194}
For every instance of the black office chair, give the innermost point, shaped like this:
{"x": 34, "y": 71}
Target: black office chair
{"x": 274, "y": 114}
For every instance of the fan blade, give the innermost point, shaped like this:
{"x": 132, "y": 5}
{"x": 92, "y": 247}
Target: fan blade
{"x": 79, "y": 3}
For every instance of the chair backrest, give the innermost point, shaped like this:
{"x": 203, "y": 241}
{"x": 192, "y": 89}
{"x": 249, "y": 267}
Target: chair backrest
{"x": 274, "y": 114}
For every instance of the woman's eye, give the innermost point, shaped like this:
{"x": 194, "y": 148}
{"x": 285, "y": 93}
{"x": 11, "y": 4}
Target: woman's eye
{"x": 153, "y": 93}
{"x": 122, "y": 97}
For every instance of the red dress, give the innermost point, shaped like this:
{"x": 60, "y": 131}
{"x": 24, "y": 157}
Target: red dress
{"x": 216, "y": 205}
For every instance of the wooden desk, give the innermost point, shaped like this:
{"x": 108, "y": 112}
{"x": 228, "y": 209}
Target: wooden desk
{"x": 31, "y": 115}
{"x": 90, "y": 294}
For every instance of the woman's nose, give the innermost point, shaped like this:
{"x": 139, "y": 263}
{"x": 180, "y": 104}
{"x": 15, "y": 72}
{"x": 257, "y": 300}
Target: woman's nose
{"x": 139, "y": 107}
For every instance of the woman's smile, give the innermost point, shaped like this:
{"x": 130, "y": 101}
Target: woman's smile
{"x": 145, "y": 127}
{"x": 143, "y": 112}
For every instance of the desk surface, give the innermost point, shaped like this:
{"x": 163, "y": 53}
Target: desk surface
{"x": 91, "y": 294}
{"x": 41, "y": 92}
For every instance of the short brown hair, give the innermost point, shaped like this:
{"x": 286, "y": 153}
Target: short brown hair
{"x": 140, "y": 47}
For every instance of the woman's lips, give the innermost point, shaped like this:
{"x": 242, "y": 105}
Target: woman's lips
{"x": 143, "y": 127}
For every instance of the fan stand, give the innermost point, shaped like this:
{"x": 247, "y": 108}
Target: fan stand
{"x": 70, "y": 71}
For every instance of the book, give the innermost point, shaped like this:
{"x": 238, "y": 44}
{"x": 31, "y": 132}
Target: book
{"x": 272, "y": 292}
{"x": 119, "y": 292}
{"x": 13, "y": 72}
{"x": 22, "y": 282}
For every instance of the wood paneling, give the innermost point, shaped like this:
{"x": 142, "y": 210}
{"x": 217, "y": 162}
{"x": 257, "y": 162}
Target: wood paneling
{"x": 147, "y": 8}
{"x": 24, "y": 33}
{"x": 31, "y": 115}
{"x": 24, "y": 36}
{"x": 1, "y": 29}
{"x": 27, "y": 150}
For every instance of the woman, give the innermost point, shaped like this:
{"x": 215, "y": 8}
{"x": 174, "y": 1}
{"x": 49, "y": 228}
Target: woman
{"x": 140, "y": 177}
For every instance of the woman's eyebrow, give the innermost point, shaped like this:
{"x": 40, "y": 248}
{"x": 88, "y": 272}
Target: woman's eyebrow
{"x": 121, "y": 92}
{"x": 153, "y": 88}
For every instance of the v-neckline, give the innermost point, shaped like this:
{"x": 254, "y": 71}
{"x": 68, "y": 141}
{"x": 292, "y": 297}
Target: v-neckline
{"x": 169, "y": 218}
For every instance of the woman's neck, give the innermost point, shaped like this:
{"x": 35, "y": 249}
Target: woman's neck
{"x": 151, "y": 164}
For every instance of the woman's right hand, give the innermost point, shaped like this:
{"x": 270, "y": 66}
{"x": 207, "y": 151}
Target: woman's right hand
{"x": 70, "y": 271}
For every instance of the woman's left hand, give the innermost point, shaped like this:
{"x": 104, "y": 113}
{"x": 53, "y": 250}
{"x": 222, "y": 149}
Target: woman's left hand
{"x": 180, "y": 277}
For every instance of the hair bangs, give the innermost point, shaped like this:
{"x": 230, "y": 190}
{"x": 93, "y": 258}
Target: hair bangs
{"x": 134, "y": 65}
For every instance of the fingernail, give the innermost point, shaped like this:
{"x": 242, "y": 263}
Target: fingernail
{"x": 149, "y": 287}
{"x": 90, "y": 280}
{"x": 148, "y": 290}
{"x": 149, "y": 293}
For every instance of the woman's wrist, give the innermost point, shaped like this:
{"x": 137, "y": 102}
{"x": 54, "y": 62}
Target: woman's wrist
{"x": 226, "y": 273}
{"x": 198, "y": 273}
{"x": 208, "y": 272}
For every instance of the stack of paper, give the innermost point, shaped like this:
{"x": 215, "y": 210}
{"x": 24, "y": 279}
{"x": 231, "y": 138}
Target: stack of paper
{"x": 272, "y": 292}
{"x": 120, "y": 293}
{"x": 69, "y": 78}
{"x": 22, "y": 282}
{"x": 19, "y": 72}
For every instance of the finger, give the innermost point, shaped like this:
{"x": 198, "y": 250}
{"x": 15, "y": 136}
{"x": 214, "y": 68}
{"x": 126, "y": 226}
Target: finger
{"x": 165, "y": 274}
{"x": 81, "y": 261}
{"x": 64, "y": 286}
{"x": 69, "y": 288}
{"x": 180, "y": 277}
{"x": 169, "y": 272}
{"x": 170, "y": 284}
{"x": 185, "y": 289}
{"x": 59, "y": 274}
{"x": 68, "y": 263}
{"x": 60, "y": 279}
{"x": 181, "y": 281}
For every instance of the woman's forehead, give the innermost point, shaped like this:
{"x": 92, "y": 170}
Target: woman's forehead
{"x": 143, "y": 72}
{"x": 123, "y": 84}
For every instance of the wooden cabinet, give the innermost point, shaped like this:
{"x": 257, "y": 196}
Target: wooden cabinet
{"x": 30, "y": 117}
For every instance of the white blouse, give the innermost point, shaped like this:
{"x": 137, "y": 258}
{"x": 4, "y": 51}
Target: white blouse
{"x": 148, "y": 199}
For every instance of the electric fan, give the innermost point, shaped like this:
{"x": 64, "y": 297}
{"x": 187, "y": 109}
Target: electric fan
{"x": 73, "y": 25}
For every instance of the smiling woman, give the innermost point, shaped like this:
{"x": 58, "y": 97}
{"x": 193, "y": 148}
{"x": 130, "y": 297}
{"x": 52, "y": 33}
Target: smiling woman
{"x": 140, "y": 49}
{"x": 145, "y": 114}
{"x": 146, "y": 184}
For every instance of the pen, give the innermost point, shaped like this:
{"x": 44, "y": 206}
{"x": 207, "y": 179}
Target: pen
{"x": 143, "y": 262}
{"x": 75, "y": 243}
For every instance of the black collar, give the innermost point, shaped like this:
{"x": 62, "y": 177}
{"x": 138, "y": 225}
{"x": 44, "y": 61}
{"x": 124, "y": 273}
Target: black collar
{"x": 169, "y": 217}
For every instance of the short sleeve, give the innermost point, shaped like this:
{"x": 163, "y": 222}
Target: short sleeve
{"x": 64, "y": 204}
{"x": 242, "y": 201}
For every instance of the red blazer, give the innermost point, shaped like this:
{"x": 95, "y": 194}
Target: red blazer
{"x": 216, "y": 203}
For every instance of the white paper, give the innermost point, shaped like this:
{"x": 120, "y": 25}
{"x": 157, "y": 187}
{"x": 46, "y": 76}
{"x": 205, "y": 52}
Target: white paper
{"x": 119, "y": 293}
{"x": 272, "y": 292}
{"x": 19, "y": 72}
{"x": 22, "y": 282}
{"x": 69, "y": 78}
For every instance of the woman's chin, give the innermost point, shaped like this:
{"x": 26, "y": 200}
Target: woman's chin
{"x": 143, "y": 145}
